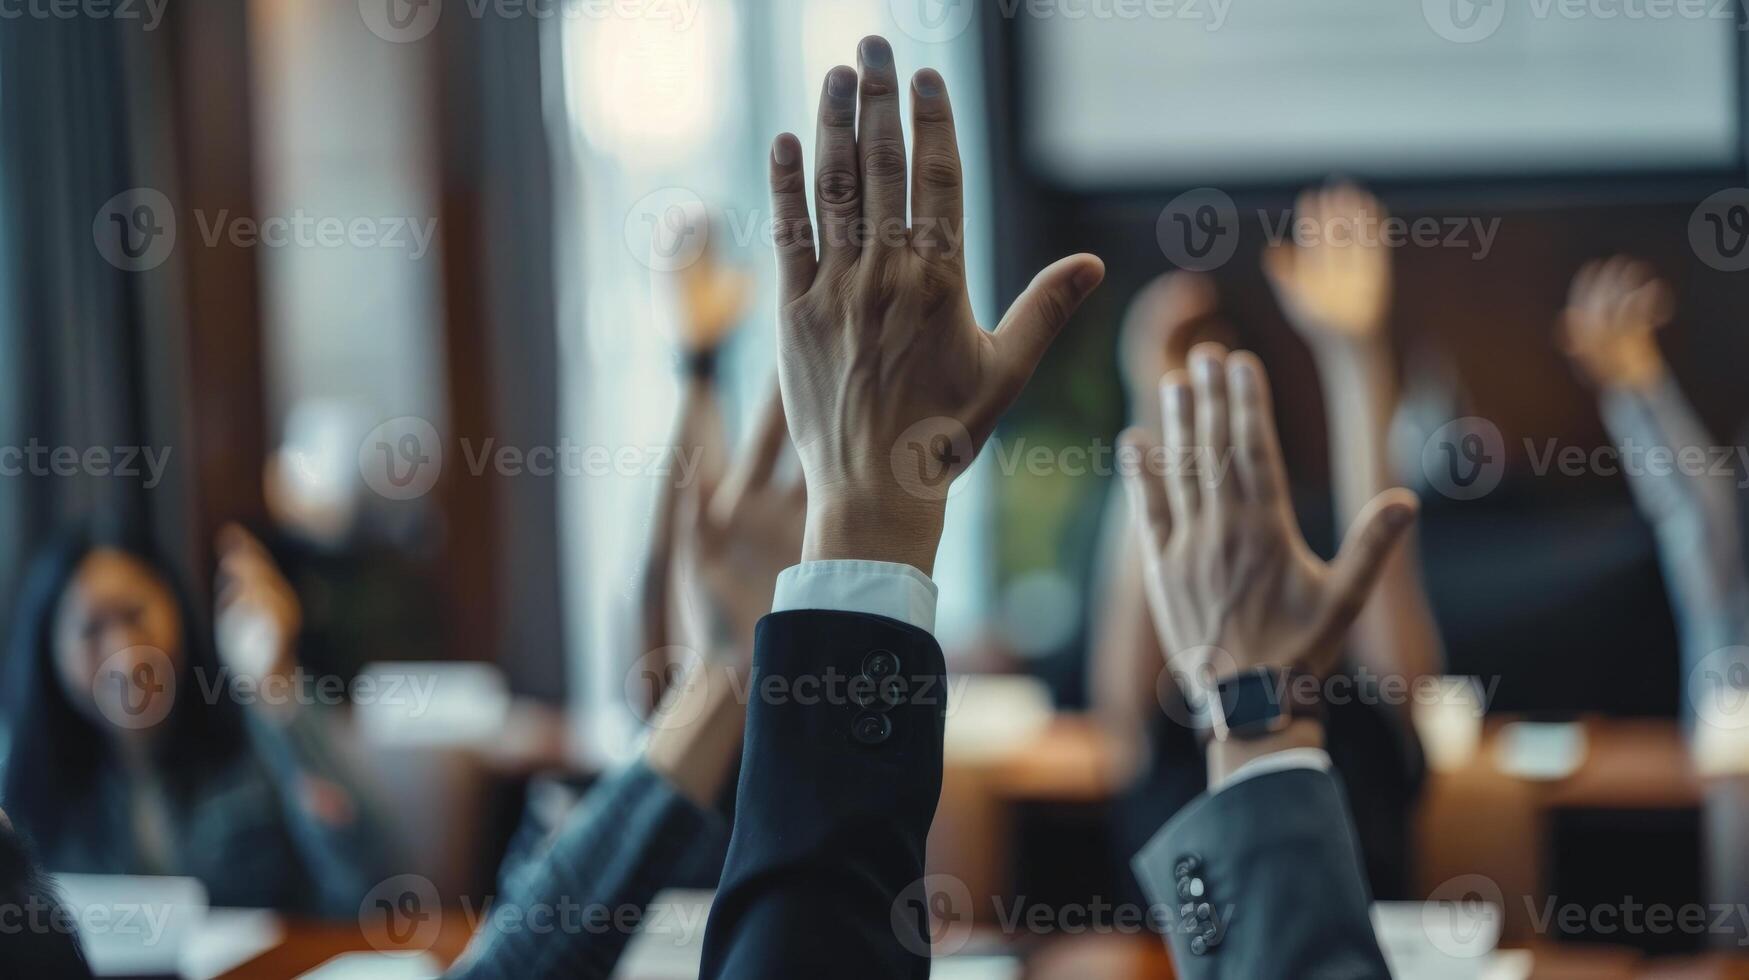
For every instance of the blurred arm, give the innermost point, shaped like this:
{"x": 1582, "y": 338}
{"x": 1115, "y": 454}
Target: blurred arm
{"x": 699, "y": 429}
{"x": 337, "y": 830}
{"x": 1692, "y": 510}
{"x": 1395, "y": 634}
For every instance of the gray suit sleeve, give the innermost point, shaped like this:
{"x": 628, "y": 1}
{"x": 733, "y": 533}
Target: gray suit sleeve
{"x": 1262, "y": 880}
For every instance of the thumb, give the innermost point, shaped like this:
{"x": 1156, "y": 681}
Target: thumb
{"x": 1040, "y": 312}
{"x": 1370, "y": 540}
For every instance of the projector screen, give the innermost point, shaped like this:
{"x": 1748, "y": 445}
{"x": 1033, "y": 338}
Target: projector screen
{"x": 1179, "y": 92}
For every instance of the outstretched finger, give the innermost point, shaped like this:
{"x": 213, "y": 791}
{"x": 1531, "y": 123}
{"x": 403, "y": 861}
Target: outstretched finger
{"x": 792, "y": 233}
{"x": 880, "y": 144}
{"x": 1150, "y": 508}
{"x": 937, "y": 221}
{"x": 837, "y": 176}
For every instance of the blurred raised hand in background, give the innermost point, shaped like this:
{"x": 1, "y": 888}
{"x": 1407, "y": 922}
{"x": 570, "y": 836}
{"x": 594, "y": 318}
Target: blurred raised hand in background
{"x": 1334, "y": 284}
{"x": 1609, "y": 329}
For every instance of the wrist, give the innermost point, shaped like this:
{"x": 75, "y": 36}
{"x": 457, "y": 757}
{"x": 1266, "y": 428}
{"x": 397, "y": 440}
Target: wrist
{"x": 1641, "y": 374}
{"x": 1224, "y": 757}
{"x": 1364, "y": 351}
{"x": 891, "y": 526}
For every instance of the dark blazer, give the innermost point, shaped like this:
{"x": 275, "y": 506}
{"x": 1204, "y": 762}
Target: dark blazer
{"x": 840, "y": 776}
{"x": 1262, "y": 880}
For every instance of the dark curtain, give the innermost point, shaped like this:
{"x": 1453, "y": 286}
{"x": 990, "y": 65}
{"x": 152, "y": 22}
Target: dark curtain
{"x": 500, "y": 292}
{"x": 70, "y": 334}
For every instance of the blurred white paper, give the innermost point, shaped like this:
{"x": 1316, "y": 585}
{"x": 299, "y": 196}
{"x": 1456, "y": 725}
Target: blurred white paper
{"x": 1438, "y": 940}
{"x": 376, "y": 966}
{"x": 991, "y": 715}
{"x": 1540, "y": 750}
{"x": 670, "y": 941}
{"x": 133, "y": 925}
{"x": 227, "y": 939}
{"x": 426, "y": 704}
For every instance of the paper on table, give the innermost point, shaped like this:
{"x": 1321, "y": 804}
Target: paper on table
{"x": 1437, "y": 941}
{"x": 1541, "y": 750}
{"x": 133, "y": 925}
{"x": 376, "y": 966}
{"x": 227, "y": 939}
{"x": 671, "y": 940}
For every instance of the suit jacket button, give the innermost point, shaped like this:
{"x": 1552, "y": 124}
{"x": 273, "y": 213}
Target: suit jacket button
{"x": 871, "y": 729}
{"x": 880, "y": 663}
{"x": 1196, "y": 888}
{"x": 1198, "y": 946}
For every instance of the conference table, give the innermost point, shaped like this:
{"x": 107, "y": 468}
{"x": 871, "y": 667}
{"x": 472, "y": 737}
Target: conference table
{"x": 306, "y": 946}
{"x": 1628, "y": 763}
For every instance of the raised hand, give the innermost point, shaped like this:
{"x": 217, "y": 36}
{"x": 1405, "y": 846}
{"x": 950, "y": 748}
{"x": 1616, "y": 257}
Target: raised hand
{"x": 889, "y": 383}
{"x": 1158, "y": 329}
{"x": 1230, "y": 580}
{"x": 256, "y": 613}
{"x": 739, "y": 535}
{"x": 1614, "y": 312}
{"x": 1334, "y": 285}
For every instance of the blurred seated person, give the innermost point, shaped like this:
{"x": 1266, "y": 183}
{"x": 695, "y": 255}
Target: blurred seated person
{"x": 1609, "y": 329}
{"x": 663, "y": 820}
{"x": 1337, "y": 297}
{"x": 139, "y": 748}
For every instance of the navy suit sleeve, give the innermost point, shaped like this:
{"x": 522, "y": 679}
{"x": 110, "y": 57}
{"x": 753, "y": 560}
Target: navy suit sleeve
{"x": 573, "y": 910}
{"x": 840, "y": 776}
{"x": 1262, "y": 880}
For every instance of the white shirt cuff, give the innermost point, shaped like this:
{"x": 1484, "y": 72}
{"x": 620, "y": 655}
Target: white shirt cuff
{"x": 877, "y": 588}
{"x": 1263, "y": 765}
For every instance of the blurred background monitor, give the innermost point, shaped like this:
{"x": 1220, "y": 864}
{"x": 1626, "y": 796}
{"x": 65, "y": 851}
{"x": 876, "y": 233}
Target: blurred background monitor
{"x": 1277, "y": 91}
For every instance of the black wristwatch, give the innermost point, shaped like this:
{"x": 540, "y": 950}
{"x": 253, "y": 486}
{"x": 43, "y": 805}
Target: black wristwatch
{"x": 1260, "y": 701}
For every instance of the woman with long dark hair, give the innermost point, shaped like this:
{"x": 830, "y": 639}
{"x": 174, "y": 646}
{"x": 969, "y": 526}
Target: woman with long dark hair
{"x": 137, "y": 747}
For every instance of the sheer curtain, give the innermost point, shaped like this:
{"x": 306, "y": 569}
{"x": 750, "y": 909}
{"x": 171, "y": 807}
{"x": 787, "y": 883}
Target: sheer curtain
{"x": 660, "y": 111}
